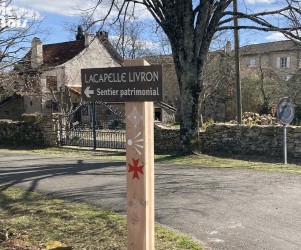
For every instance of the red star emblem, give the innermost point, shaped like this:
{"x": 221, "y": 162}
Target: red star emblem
{"x": 135, "y": 169}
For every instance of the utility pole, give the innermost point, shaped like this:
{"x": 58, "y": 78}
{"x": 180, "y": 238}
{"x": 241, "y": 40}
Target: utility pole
{"x": 237, "y": 65}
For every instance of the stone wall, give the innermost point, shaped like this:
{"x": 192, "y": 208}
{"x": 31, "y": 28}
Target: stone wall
{"x": 217, "y": 138}
{"x": 167, "y": 139}
{"x": 19, "y": 133}
{"x": 33, "y": 131}
{"x": 50, "y": 126}
{"x": 235, "y": 139}
{"x": 244, "y": 139}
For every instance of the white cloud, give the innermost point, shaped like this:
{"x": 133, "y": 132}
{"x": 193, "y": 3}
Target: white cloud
{"x": 259, "y": 1}
{"x": 276, "y": 36}
{"x": 74, "y": 7}
{"x": 67, "y": 8}
{"x": 140, "y": 43}
{"x": 23, "y": 12}
{"x": 16, "y": 16}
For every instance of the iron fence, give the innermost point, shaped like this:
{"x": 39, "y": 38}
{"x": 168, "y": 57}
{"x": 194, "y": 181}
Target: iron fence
{"x": 94, "y": 124}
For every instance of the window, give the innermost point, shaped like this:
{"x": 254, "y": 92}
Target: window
{"x": 51, "y": 82}
{"x": 283, "y": 62}
{"x": 253, "y": 62}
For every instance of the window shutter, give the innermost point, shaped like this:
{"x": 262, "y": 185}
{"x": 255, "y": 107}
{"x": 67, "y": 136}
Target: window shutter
{"x": 288, "y": 62}
{"x": 278, "y": 62}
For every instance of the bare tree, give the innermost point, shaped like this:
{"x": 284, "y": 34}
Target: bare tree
{"x": 17, "y": 28}
{"x": 126, "y": 34}
{"x": 261, "y": 87}
{"x": 128, "y": 40}
{"x": 218, "y": 81}
{"x": 190, "y": 27}
{"x": 86, "y": 23}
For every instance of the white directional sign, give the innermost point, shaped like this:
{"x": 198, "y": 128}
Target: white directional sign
{"x": 88, "y": 92}
{"x": 122, "y": 84}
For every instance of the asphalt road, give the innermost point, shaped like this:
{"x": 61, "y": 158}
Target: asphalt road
{"x": 223, "y": 208}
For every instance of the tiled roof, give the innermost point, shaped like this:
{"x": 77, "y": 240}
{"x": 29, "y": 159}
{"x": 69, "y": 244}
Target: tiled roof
{"x": 59, "y": 53}
{"x": 159, "y": 59}
{"x": 262, "y": 48}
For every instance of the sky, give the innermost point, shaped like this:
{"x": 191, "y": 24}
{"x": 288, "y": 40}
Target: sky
{"x": 56, "y": 13}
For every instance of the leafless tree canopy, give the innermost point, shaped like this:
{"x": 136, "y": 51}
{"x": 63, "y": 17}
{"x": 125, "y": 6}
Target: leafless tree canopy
{"x": 190, "y": 26}
{"x": 17, "y": 28}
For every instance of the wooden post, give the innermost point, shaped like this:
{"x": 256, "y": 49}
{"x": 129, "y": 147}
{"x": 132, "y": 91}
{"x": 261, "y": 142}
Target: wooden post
{"x": 140, "y": 171}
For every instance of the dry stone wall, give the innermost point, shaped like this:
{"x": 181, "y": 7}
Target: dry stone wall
{"x": 251, "y": 140}
{"x": 34, "y": 131}
{"x": 236, "y": 139}
{"x": 167, "y": 139}
{"x": 217, "y": 138}
{"x": 20, "y": 133}
{"x": 243, "y": 139}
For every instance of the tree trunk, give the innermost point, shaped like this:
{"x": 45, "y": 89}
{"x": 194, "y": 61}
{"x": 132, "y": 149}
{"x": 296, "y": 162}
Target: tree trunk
{"x": 189, "y": 68}
{"x": 189, "y": 108}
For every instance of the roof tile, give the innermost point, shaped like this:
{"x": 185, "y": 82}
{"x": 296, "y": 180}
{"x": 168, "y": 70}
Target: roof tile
{"x": 262, "y": 48}
{"x": 59, "y": 53}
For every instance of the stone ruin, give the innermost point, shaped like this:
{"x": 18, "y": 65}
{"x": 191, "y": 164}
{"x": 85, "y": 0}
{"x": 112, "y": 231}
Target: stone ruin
{"x": 250, "y": 118}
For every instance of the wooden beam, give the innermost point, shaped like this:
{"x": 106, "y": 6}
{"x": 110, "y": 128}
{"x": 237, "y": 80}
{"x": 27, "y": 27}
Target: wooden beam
{"x": 140, "y": 171}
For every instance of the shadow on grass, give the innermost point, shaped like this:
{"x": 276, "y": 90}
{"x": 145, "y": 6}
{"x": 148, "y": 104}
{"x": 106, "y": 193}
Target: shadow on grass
{"x": 68, "y": 149}
{"x": 256, "y": 158}
{"x": 248, "y": 158}
{"x": 22, "y": 147}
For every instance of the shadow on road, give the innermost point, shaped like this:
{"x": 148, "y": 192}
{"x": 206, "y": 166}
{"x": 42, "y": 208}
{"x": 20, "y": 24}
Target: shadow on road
{"x": 32, "y": 171}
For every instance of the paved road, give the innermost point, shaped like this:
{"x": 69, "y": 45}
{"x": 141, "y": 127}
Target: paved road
{"x": 223, "y": 208}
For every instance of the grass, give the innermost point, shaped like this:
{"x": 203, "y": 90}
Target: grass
{"x": 102, "y": 154}
{"x": 243, "y": 162}
{"x": 202, "y": 160}
{"x": 30, "y": 220}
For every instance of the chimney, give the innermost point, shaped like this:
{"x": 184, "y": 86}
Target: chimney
{"x": 36, "y": 52}
{"x": 88, "y": 39}
{"x": 228, "y": 47}
{"x": 102, "y": 35}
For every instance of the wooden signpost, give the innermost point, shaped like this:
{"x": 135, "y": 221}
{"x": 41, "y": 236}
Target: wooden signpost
{"x": 140, "y": 171}
{"x": 138, "y": 85}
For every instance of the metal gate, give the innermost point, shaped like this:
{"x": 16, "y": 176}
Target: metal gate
{"x": 94, "y": 124}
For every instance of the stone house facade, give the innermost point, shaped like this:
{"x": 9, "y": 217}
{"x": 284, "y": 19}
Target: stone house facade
{"x": 57, "y": 68}
{"x": 282, "y": 57}
{"x": 281, "y": 60}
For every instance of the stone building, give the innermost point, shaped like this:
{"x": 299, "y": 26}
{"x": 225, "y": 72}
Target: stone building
{"x": 282, "y": 57}
{"x": 52, "y": 75}
{"x": 280, "y": 60}
{"x": 56, "y": 68}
